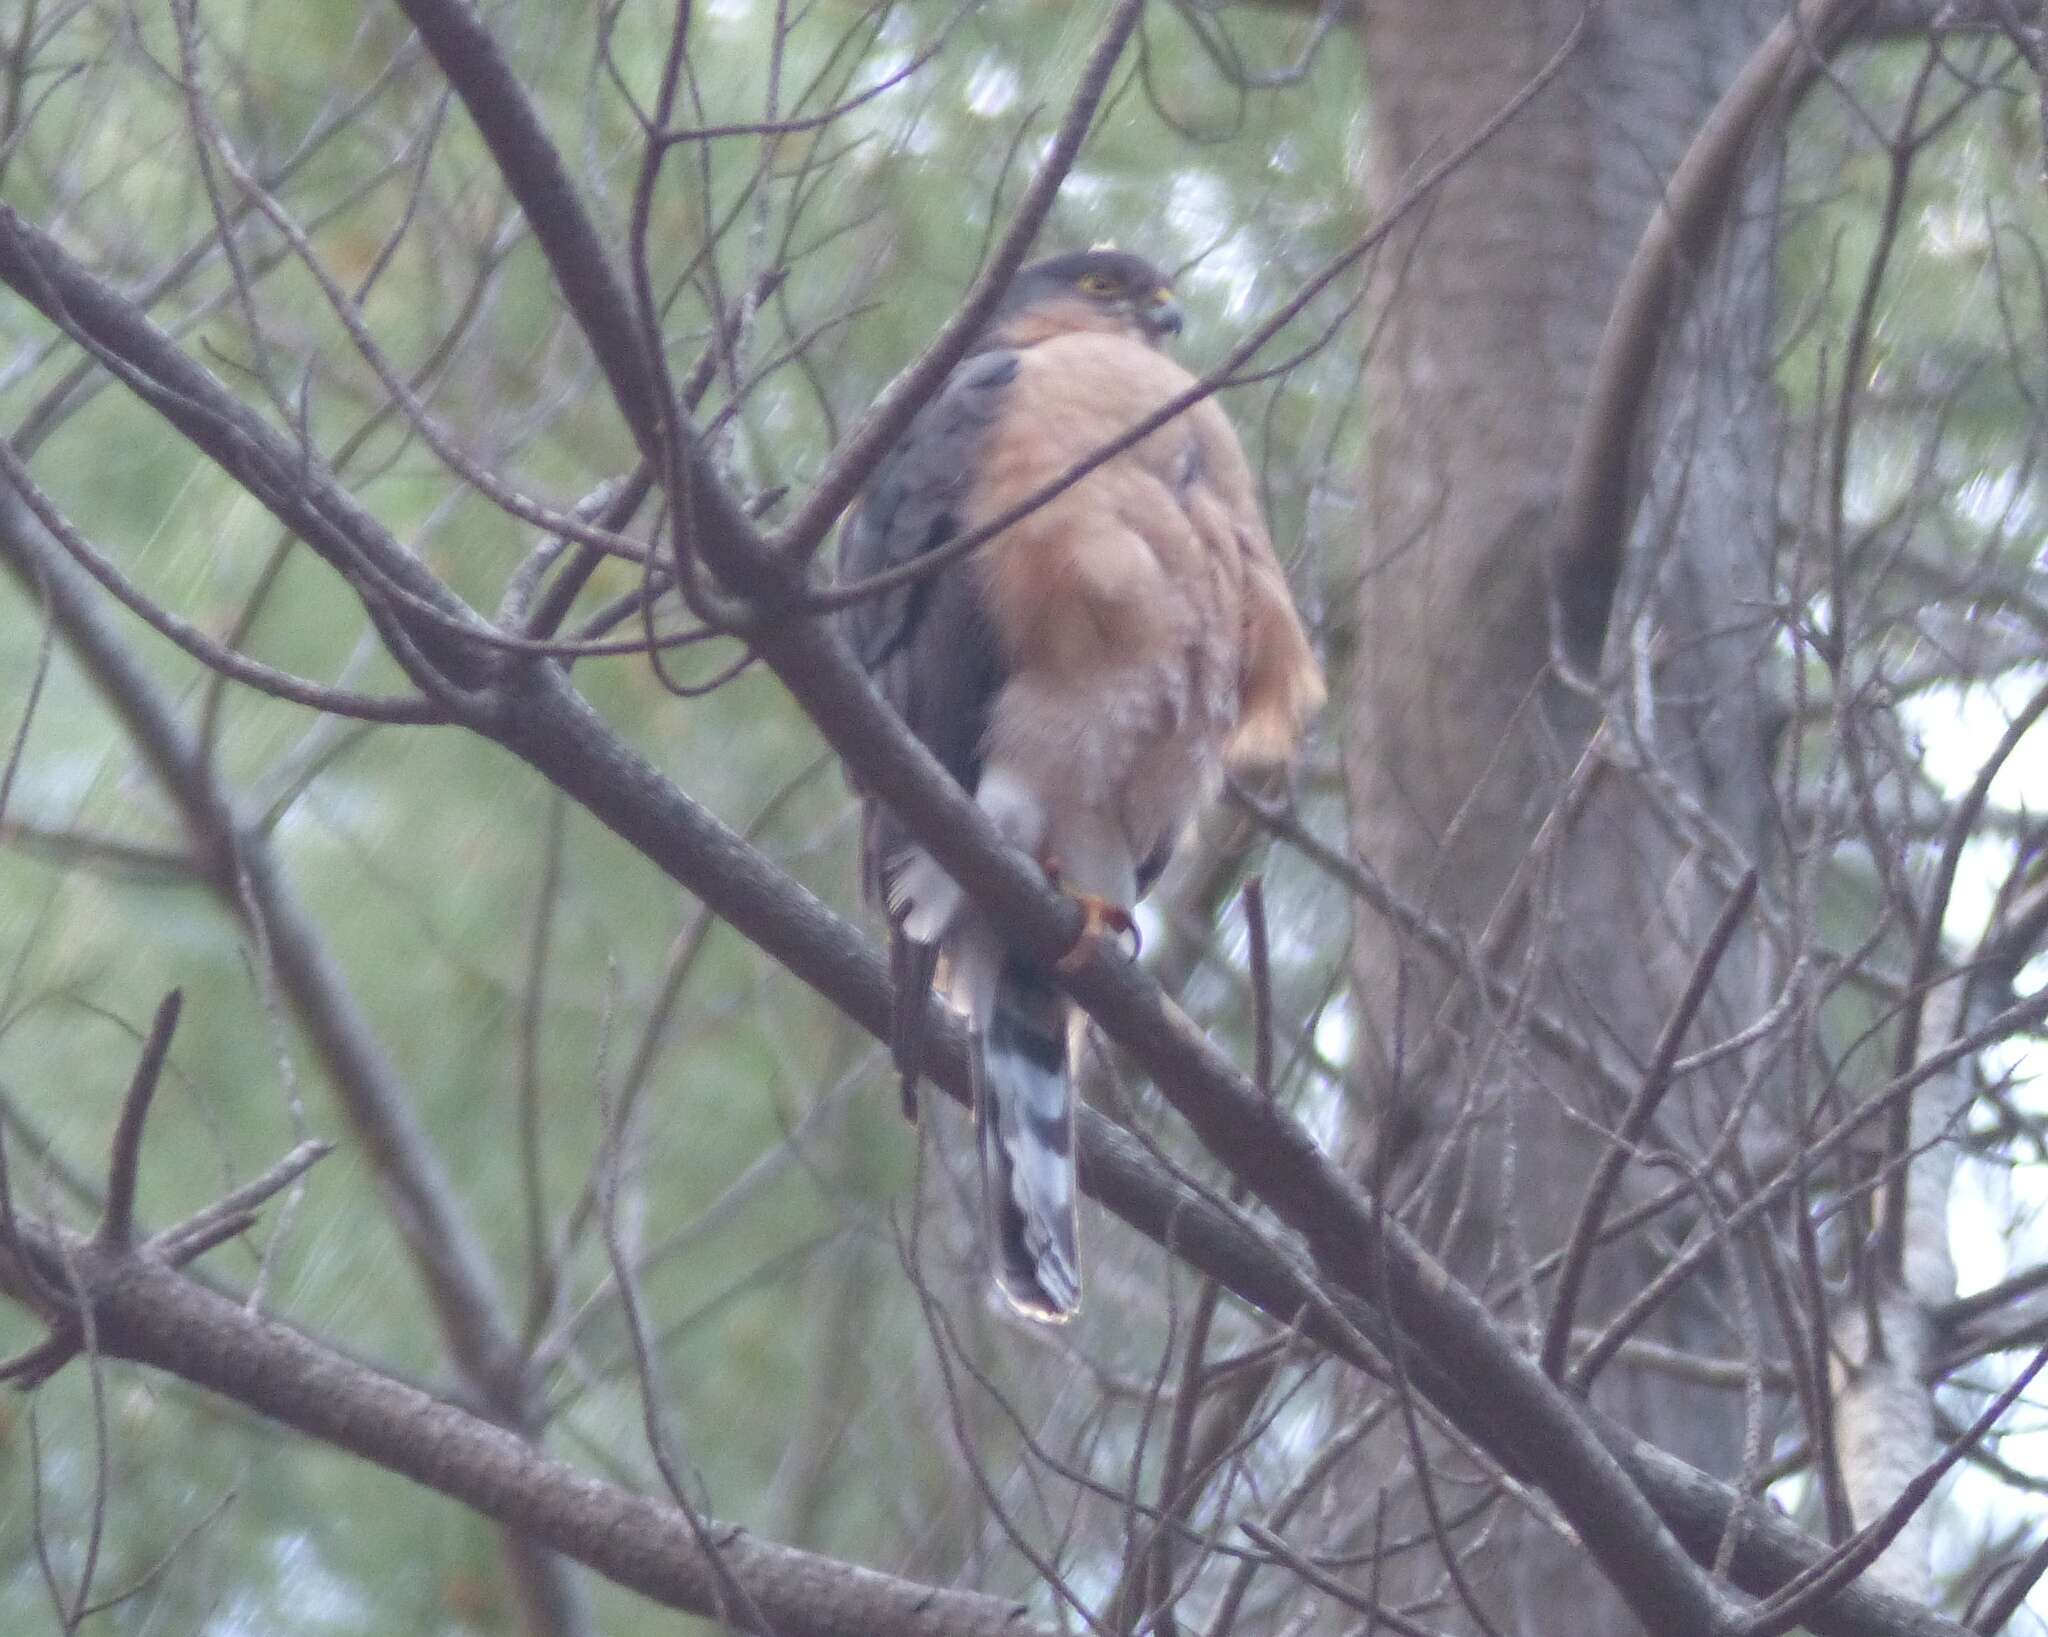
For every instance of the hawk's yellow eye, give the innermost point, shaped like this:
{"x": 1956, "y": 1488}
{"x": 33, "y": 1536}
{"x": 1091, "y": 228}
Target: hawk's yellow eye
{"x": 1101, "y": 284}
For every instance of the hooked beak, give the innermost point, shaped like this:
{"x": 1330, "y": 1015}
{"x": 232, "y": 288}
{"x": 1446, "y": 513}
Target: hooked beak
{"x": 1161, "y": 316}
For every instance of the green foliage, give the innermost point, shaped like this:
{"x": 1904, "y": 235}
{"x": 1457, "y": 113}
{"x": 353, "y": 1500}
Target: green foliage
{"x": 766, "y": 1142}
{"x": 782, "y": 1201}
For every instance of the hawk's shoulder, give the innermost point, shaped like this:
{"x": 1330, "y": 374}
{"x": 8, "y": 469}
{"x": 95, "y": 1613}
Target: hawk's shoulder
{"x": 912, "y": 502}
{"x": 926, "y": 643}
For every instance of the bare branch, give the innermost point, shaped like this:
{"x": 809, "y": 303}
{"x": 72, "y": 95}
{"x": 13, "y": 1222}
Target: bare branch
{"x": 117, "y": 1224}
{"x": 1621, "y": 1146}
{"x": 1594, "y": 511}
{"x": 150, "y": 1314}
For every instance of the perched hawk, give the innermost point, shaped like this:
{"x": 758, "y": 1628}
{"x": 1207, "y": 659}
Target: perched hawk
{"x": 1086, "y": 675}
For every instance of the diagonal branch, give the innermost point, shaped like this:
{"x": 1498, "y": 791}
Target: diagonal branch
{"x": 146, "y": 1312}
{"x": 890, "y": 417}
{"x": 462, "y": 45}
{"x": 234, "y": 858}
{"x": 117, "y": 1223}
{"x": 1458, "y": 1355}
{"x": 1595, "y": 508}
{"x": 450, "y": 1261}
{"x": 1621, "y": 1147}
{"x": 1597, "y": 503}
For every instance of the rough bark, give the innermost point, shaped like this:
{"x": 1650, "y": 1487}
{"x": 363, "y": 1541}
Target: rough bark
{"x": 1462, "y": 731}
{"x": 1458, "y": 1357}
{"x": 1454, "y": 1353}
{"x": 1885, "y": 1429}
{"x": 146, "y": 1311}
{"x": 235, "y": 860}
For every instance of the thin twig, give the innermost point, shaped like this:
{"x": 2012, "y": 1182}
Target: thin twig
{"x": 206, "y": 1228}
{"x": 1792, "y": 1604}
{"x": 1621, "y": 1147}
{"x": 117, "y": 1224}
{"x": 2013, "y": 1593}
{"x": 1262, "y": 983}
{"x": 886, "y": 422}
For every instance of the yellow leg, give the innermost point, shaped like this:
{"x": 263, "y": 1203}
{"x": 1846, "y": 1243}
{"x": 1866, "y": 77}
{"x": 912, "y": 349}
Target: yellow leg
{"x": 1100, "y": 918}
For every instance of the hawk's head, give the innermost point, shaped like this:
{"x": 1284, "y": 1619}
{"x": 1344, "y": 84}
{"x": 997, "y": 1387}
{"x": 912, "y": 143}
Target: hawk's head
{"x": 1107, "y": 290}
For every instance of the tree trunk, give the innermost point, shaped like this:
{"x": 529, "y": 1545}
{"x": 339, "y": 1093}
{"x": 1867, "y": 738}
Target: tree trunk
{"x": 1464, "y": 732}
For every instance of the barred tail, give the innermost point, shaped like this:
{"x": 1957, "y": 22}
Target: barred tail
{"x": 1027, "y": 1144}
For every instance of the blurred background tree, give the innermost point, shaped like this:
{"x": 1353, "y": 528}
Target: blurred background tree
{"x": 1647, "y": 402}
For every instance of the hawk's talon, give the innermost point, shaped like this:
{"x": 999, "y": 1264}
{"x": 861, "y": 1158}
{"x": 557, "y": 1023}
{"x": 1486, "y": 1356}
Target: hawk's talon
{"x": 1099, "y": 917}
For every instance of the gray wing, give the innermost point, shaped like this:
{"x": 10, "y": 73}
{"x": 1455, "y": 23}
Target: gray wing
{"x": 927, "y": 645}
